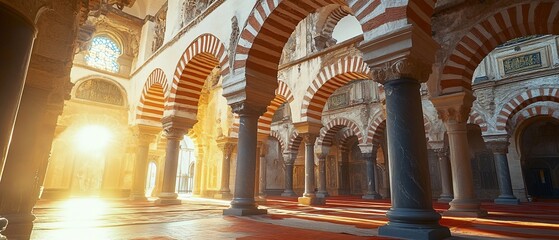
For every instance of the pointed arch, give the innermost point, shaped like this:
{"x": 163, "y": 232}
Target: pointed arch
{"x": 521, "y": 101}
{"x": 328, "y": 132}
{"x": 327, "y": 81}
{"x": 195, "y": 65}
{"x": 535, "y": 17}
{"x": 153, "y": 97}
{"x": 283, "y": 95}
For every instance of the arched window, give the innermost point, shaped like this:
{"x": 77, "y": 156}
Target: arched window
{"x": 103, "y": 54}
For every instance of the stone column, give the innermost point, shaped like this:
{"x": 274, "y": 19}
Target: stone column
{"x": 369, "y": 154}
{"x": 343, "y": 184}
{"x": 401, "y": 60}
{"x": 289, "y": 160}
{"x": 446, "y": 175}
{"x": 18, "y": 35}
{"x": 454, "y": 110}
{"x": 175, "y": 129}
{"x": 499, "y": 145}
{"x": 228, "y": 146}
{"x": 144, "y": 136}
{"x": 309, "y": 197}
{"x": 321, "y": 154}
{"x": 262, "y": 172}
{"x": 243, "y": 202}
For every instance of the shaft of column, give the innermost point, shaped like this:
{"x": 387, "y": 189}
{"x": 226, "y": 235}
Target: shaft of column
{"x": 500, "y": 150}
{"x": 138, "y": 192}
{"x": 262, "y": 177}
{"x": 224, "y": 191}
{"x": 168, "y": 195}
{"x": 243, "y": 202}
{"x": 322, "y": 192}
{"x": 289, "y": 160}
{"x": 370, "y": 162}
{"x": 412, "y": 214}
{"x": 309, "y": 170}
{"x": 446, "y": 175}
{"x": 465, "y": 202}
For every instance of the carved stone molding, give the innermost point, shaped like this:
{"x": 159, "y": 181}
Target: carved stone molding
{"x": 289, "y": 158}
{"x": 145, "y": 135}
{"x": 455, "y": 114}
{"x": 409, "y": 68}
{"x": 243, "y": 108}
{"x": 172, "y": 133}
{"x": 442, "y": 153}
{"x": 309, "y": 138}
{"x": 454, "y": 108}
{"x": 233, "y": 39}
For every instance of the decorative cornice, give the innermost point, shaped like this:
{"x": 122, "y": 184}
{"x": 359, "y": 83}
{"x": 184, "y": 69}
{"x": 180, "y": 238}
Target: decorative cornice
{"x": 408, "y": 68}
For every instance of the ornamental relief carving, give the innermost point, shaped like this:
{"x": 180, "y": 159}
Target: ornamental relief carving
{"x": 192, "y": 9}
{"x": 102, "y": 91}
{"x": 160, "y": 26}
{"x": 454, "y": 114}
{"x": 402, "y": 68}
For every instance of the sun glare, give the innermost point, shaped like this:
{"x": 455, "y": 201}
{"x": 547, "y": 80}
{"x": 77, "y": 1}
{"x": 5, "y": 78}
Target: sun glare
{"x": 93, "y": 138}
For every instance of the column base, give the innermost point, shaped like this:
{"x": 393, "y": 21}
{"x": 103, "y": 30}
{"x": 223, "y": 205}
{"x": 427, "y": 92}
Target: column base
{"x": 223, "y": 195}
{"x": 322, "y": 194}
{"x": 445, "y": 199}
{"x": 372, "y": 196}
{"x": 311, "y": 201}
{"x": 260, "y": 199}
{"x": 413, "y": 232}
{"x": 167, "y": 201}
{"x": 289, "y": 194}
{"x": 465, "y": 208}
{"x": 3, "y": 225}
{"x": 138, "y": 197}
{"x": 507, "y": 201}
{"x": 244, "y": 211}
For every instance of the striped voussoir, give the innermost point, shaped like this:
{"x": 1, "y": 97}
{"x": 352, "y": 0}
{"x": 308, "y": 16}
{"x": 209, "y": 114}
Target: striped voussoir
{"x": 333, "y": 18}
{"x": 204, "y": 54}
{"x": 277, "y": 135}
{"x": 152, "y": 101}
{"x": 522, "y": 101}
{"x": 536, "y": 17}
{"x": 375, "y": 133}
{"x": 283, "y": 95}
{"x": 329, "y": 131}
{"x": 271, "y": 23}
{"x": 294, "y": 142}
{"x": 477, "y": 119}
{"x": 327, "y": 81}
{"x": 345, "y": 137}
{"x": 533, "y": 111}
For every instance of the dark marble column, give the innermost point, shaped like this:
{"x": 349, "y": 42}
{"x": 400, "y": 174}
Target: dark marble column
{"x": 262, "y": 172}
{"x": 309, "y": 196}
{"x": 446, "y": 175}
{"x": 322, "y": 191}
{"x": 371, "y": 162}
{"x": 174, "y": 134}
{"x": 289, "y": 160}
{"x": 243, "y": 202}
{"x": 412, "y": 214}
{"x": 227, "y": 148}
{"x": 144, "y": 136}
{"x": 16, "y": 43}
{"x": 499, "y": 145}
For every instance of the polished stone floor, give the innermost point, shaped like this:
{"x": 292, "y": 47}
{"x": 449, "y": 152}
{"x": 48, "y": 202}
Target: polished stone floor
{"x": 341, "y": 218}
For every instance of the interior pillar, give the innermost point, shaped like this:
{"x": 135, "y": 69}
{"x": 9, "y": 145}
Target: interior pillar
{"x": 228, "y": 146}
{"x": 309, "y": 132}
{"x": 322, "y": 191}
{"x": 243, "y": 202}
{"x": 499, "y": 145}
{"x": 369, "y": 154}
{"x": 454, "y": 110}
{"x": 289, "y": 160}
{"x": 144, "y": 135}
{"x": 262, "y": 171}
{"x": 446, "y": 175}
{"x": 175, "y": 130}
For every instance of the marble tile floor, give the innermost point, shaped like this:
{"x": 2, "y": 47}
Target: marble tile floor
{"x": 341, "y": 218}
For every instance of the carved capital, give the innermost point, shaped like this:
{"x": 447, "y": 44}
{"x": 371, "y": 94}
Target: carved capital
{"x": 454, "y": 114}
{"x": 243, "y": 108}
{"x": 442, "y": 153}
{"x": 289, "y": 158}
{"x": 409, "y": 68}
{"x": 454, "y": 108}
{"x": 309, "y": 138}
{"x": 172, "y": 133}
{"x": 499, "y": 144}
{"x": 145, "y": 135}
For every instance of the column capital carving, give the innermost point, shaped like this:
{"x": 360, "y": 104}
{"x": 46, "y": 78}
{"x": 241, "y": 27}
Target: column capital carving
{"x": 408, "y": 67}
{"x": 499, "y": 144}
{"x": 243, "y": 108}
{"x": 454, "y": 108}
{"x": 442, "y": 153}
{"x": 309, "y": 138}
{"x": 145, "y": 135}
{"x": 174, "y": 133}
{"x": 289, "y": 157}
{"x": 369, "y": 148}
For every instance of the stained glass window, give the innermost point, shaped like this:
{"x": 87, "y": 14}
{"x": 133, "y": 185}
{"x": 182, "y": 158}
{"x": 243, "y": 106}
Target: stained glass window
{"x": 103, "y": 54}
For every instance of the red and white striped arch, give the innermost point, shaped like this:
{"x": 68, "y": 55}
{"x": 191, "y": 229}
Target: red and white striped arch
{"x": 523, "y": 100}
{"x": 375, "y": 133}
{"x": 333, "y": 18}
{"x": 152, "y": 100}
{"x": 478, "y": 119}
{"x": 536, "y": 17}
{"x": 283, "y": 95}
{"x": 271, "y": 23}
{"x": 329, "y": 131}
{"x": 277, "y": 135}
{"x": 344, "y": 139}
{"x": 534, "y": 111}
{"x": 204, "y": 54}
{"x": 294, "y": 143}
{"x": 328, "y": 80}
